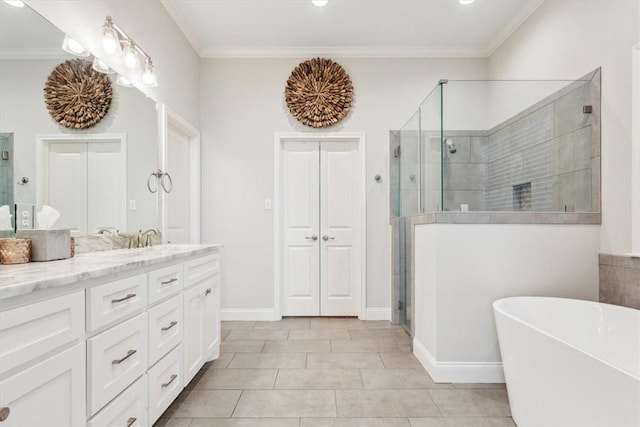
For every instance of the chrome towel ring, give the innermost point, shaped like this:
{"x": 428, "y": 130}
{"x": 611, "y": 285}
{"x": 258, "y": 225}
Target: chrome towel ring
{"x": 162, "y": 179}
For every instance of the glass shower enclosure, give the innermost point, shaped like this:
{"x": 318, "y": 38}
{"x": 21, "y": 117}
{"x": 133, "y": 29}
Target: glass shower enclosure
{"x": 493, "y": 147}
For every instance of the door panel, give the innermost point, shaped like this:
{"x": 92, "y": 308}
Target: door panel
{"x": 178, "y": 201}
{"x": 300, "y": 296}
{"x": 105, "y": 201}
{"x": 68, "y": 170}
{"x": 340, "y": 258}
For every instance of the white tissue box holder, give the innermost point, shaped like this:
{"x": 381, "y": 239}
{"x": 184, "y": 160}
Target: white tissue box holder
{"x": 48, "y": 245}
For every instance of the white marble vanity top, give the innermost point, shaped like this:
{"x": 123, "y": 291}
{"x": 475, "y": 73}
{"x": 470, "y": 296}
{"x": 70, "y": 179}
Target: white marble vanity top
{"x": 21, "y": 279}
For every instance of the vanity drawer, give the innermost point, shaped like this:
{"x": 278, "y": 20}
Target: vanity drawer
{"x": 115, "y": 359}
{"x": 164, "y": 282}
{"x": 165, "y": 328}
{"x": 127, "y": 410}
{"x": 115, "y": 300}
{"x": 201, "y": 268}
{"x": 165, "y": 383}
{"x": 31, "y": 331}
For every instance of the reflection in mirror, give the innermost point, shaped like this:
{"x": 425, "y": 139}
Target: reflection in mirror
{"x": 95, "y": 177}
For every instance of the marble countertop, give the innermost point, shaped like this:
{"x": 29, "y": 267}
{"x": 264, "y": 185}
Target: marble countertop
{"x": 21, "y": 279}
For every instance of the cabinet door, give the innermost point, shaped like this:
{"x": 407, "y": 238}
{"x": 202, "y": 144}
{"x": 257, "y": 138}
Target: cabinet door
{"x": 211, "y": 327}
{"x": 51, "y": 393}
{"x": 193, "y": 333}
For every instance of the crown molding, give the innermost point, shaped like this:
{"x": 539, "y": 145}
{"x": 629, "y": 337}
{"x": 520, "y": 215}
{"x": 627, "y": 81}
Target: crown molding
{"x": 341, "y": 52}
{"x": 513, "y": 25}
{"x": 182, "y": 22}
{"x": 41, "y": 53}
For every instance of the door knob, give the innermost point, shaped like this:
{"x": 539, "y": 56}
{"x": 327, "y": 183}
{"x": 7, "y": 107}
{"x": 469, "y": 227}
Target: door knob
{"x": 325, "y": 238}
{"x": 314, "y": 237}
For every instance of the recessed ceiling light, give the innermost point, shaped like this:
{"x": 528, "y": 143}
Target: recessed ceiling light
{"x": 15, "y": 3}
{"x": 319, "y": 3}
{"x": 466, "y": 1}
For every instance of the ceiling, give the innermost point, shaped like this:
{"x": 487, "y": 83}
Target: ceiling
{"x": 354, "y": 28}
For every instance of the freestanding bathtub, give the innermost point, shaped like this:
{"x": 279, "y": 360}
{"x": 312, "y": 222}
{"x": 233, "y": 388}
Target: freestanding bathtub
{"x": 570, "y": 362}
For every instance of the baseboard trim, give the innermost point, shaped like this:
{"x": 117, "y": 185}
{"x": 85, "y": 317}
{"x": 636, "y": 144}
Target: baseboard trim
{"x": 259, "y": 314}
{"x": 458, "y": 372}
{"x": 378, "y": 313}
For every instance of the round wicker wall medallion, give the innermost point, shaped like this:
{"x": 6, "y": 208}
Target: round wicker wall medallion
{"x": 319, "y": 93}
{"x": 76, "y": 95}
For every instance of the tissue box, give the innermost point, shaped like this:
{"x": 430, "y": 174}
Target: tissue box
{"x": 47, "y": 245}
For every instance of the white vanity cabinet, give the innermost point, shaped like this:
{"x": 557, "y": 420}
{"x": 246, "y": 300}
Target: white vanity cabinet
{"x": 116, "y": 350}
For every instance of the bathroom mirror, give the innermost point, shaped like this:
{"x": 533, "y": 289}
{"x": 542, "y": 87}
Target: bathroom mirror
{"x": 95, "y": 177}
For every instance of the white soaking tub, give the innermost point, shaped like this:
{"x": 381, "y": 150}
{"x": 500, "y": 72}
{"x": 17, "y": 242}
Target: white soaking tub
{"x": 570, "y": 362}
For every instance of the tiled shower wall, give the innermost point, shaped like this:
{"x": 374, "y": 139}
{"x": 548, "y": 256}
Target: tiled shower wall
{"x": 620, "y": 280}
{"x": 6, "y": 170}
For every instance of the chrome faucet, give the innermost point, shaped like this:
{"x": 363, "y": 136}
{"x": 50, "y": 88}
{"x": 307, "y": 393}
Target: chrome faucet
{"x": 147, "y": 234}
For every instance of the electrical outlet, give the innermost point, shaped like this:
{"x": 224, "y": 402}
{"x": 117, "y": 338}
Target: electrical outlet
{"x": 24, "y": 216}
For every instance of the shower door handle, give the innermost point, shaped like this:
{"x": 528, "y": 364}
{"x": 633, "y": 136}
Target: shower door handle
{"x": 314, "y": 237}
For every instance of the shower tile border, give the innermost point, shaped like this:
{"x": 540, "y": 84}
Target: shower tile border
{"x": 577, "y": 218}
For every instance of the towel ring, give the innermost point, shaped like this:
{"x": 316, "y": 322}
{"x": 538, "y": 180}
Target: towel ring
{"x": 162, "y": 182}
{"x": 159, "y": 175}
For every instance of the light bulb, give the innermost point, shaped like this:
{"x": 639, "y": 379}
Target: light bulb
{"x": 319, "y": 3}
{"x": 110, "y": 41}
{"x": 465, "y": 2}
{"x": 149, "y": 76}
{"x": 15, "y": 3}
{"x": 101, "y": 67}
{"x": 71, "y": 46}
{"x": 123, "y": 81}
{"x": 131, "y": 56}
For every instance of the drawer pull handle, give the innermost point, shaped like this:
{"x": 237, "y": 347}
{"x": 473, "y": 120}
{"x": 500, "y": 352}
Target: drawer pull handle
{"x": 130, "y": 421}
{"x": 129, "y": 354}
{"x": 173, "y": 377}
{"x": 171, "y": 325}
{"x": 129, "y": 296}
{"x": 207, "y": 292}
{"x": 4, "y": 413}
{"x": 166, "y": 282}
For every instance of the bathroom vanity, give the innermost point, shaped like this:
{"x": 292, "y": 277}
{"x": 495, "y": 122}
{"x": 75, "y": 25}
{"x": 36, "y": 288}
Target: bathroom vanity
{"x": 106, "y": 338}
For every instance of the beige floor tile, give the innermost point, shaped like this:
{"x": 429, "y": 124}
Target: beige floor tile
{"x": 240, "y": 324}
{"x": 203, "y": 404}
{"x": 224, "y": 333}
{"x": 405, "y": 348}
{"x": 222, "y": 362}
{"x": 268, "y": 360}
{"x": 318, "y": 379}
{"x": 393, "y": 379}
{"x": 290, "y": 323}
{"x": 241, "y": 346}
{"x": 500, "y": 386}
{"x": 385, "y": 403}
{"x": 260, "y": 334}
{"x": 245, "y": 422}
{"x": 297, "y": 346}
{"x": 462, "y": 422}
{"x": 472, "y": 402}
{"x": 286, "y": 403}
{"x": 343, "y": 360}
{"x": 380, "y": 324}
{"x": 237, "y": 379}
{"x": 367, "y": 345}
{"x": 319, "y": 334}
{"x": 358, "y": 334}
{"x": 336, "y": 323}
{"x": 172, "y": 422}
{"x": 400, "y": 360}
{"x": 354, "y": 422}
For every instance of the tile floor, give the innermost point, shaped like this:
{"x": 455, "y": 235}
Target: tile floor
{"x": 315, "y": 372}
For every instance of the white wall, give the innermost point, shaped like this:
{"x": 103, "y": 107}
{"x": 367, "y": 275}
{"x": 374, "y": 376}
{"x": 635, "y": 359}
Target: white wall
{"x": 567, "y": 39}
{"x": 243, "y": 106}
{"x": 176, "y": 63}
{"x": 635, "y": 168}
{"x": 461, "y": 269}
{"x": 24, "y": 112}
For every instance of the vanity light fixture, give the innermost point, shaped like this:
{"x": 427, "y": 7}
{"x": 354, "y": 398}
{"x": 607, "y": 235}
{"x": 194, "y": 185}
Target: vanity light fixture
{"x": 123, "y": 81}
{"x": 71, "y": 46}
{"x": 115, "y": 42}
{"x": 15, "y": 3}
{"x": 319, "y": 3}
{"x": 101, "y": 67}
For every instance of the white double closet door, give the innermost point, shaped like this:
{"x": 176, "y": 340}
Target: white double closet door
{"x": 322, "y": 226}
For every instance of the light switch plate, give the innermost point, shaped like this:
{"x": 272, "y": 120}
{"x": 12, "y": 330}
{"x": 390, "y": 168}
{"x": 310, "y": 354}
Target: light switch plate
{"x": 267, "y": 204}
